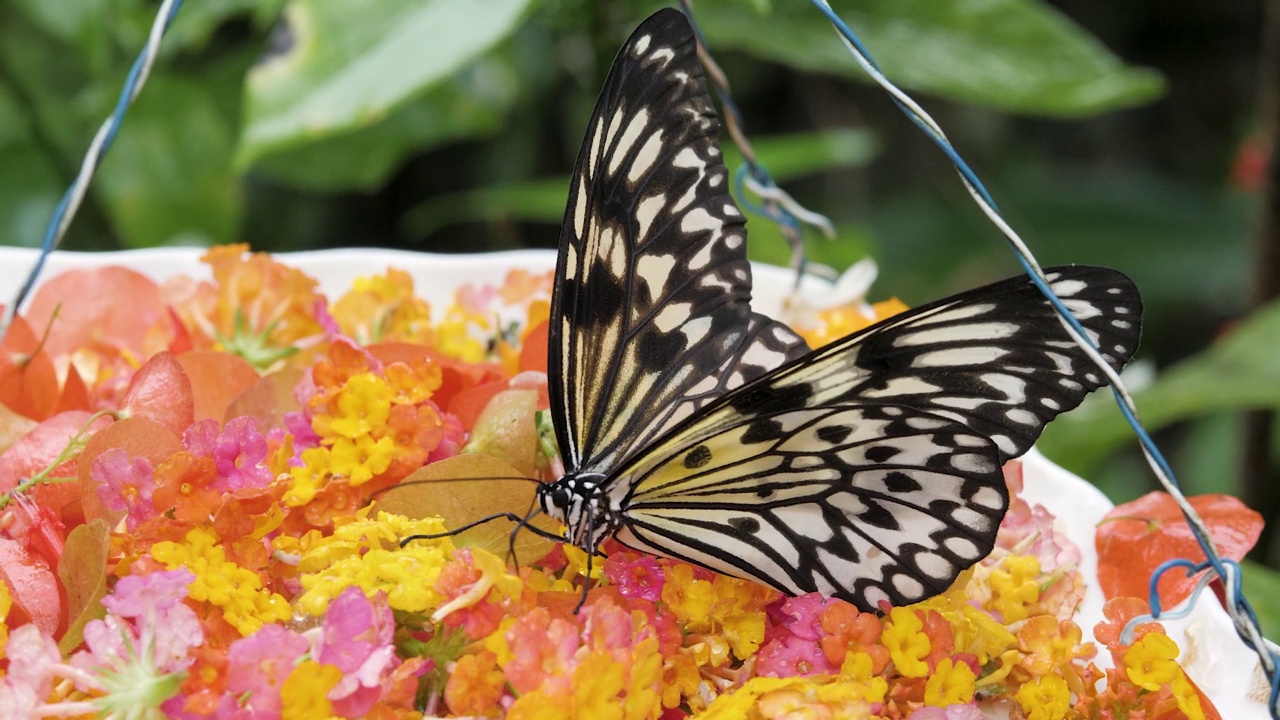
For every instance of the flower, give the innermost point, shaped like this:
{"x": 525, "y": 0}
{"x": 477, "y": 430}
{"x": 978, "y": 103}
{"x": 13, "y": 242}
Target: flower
{"x": 258, "y": 667}
{"x": 238, "y": 592}
{"x": 1044, "y": 698}
{"x": 239, "y": 453}
{"x": 125, "y": 484}
{"x": 136, "y": 656}
{"x": 475, "y": 684}
{"x": 952, "y": 683}
{"x": 356, "y": 639}
{"x": 367, "y": 553}
{"x": 908, "y": 645}
{"x": 1150, "y": 662}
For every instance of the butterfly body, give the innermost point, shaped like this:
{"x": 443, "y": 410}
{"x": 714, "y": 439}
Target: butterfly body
{"x": 694, "y": 428}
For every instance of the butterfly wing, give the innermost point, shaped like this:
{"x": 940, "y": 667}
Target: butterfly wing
{"x": 651, "y": 315}
{"x": 870, "y": 469}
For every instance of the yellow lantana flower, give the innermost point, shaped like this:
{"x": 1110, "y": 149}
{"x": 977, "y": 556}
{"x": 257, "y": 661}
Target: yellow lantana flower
{"x": 951, "y": 683}
{"x": 1150, "y": 662}
{"x": 1045, "y": 698}
{"x": 908, "y": 645}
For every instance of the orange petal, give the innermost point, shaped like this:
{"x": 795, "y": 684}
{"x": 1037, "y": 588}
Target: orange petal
{"x": 161, "y": 391}
{"x": 217, "y": 379}
{"x": 1135, "y": 538}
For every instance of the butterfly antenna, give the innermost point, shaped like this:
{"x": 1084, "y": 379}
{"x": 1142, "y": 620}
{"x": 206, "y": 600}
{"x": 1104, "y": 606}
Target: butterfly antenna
{"x": 431, "y": 481}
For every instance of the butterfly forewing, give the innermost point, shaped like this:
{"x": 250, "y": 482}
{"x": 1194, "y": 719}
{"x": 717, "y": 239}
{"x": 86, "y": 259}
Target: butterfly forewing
{"x": 651, "y": 316}
{"x": 996, "y": 358}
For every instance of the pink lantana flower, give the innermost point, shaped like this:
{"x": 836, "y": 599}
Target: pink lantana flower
{"x": 239, "y": 453}
{"x": 258, "y": 665}
{"x": 793, "y": 636}
{"x": 357, "y": 639}
{"x": 543, "y": 650}
{"x": 637, "y": 576}
{"x": 33, "y": 660}
{"x": 125, "y": 484}
{"x": 967, "y": 711}
{"x": 138, "y": 654}
{"x": 200, "y": 437}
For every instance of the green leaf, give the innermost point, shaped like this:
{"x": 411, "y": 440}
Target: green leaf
{"x": 472, "y": 103}
{"x": 1016, "y": 55}
{"x": 349, "y": 64}
{"x": 29, "y": 183}
{"x": 1262, "y": 587}
{"x": 1239, "y": 372}
{"x": 787, "y": 157}
{"x": 168, "y": 179}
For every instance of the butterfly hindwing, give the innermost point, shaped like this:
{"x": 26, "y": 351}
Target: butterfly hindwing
{"x": 867, "y": 503}
{"x": 653, "y": 285}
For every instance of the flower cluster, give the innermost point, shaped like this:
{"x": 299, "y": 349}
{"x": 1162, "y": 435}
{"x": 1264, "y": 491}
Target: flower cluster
{"x": 231, "y": 499}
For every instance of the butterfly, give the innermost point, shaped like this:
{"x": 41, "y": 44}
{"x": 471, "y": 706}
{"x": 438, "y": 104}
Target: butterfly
{"x": 693, "y": 428}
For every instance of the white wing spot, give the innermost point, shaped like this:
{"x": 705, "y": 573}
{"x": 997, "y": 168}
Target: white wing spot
{"x": 934, "y": 565}
{"x": 1067, "y": 288}
{"x": 642, "y": 44}
{"x": 925, "y": 423}
{"x": 647, "y": 212}
{"x": 672, "y": 317}
{"x": 1005, "y": 443}
{"x": 629, "y": 137}
{"x": 907, "y": 586}
{"x": 1051, "y": 403}
{"x": 970, "y": 462}
{"x": 1021, "y": 416}
{"x": 646, "y": 157}
{"x": 970, "y": 333}
{"x": 962, "y": 547}
{"x": 580, "y": 208}
{"x": 654, "y": 270}
{"x": 956, "y": 357}
{"x": 687, "y": 158}
{"x": 988, "y": 498}
{"x": 697, "y": 329}
{"x": 570, "y": 261}
{"x": 1122, "y": 324}
{"x": 663, "y": 54}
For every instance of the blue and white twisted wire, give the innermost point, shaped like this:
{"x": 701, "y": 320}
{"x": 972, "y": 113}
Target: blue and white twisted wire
{"x": 1242, "y": 614}
{"x": 106, "y": 135}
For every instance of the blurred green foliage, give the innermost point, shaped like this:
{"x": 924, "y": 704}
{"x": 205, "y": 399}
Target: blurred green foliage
{"x": 451, "y": 125}
{"x": 322, "y": 96}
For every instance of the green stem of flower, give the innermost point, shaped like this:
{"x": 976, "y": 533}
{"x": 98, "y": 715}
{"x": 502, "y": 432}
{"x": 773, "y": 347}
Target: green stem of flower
{"x": 73, "y": 448}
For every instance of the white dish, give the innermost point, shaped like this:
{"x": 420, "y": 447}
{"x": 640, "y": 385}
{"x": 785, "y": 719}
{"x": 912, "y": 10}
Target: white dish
{"x": 1212, "y": 653}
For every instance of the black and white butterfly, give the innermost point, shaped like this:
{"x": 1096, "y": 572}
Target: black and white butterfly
{"x": 694, "y": 428}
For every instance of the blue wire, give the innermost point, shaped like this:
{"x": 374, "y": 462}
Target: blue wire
{"x": 52, "y": 234}
{"x": 938, "y": 140}
{"x": 1240, "y": 604}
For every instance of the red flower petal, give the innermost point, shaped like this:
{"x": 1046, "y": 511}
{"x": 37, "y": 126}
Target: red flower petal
{"x": 1135, "y": 538}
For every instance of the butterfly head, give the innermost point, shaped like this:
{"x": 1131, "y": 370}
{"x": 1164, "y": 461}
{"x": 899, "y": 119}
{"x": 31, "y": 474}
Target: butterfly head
{"x": 576, "y": 501}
